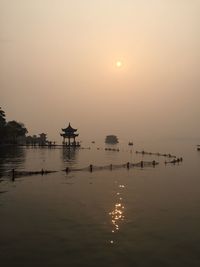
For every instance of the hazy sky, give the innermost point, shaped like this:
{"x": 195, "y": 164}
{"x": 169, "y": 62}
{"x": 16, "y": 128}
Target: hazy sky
{"x": 58, "y": 64}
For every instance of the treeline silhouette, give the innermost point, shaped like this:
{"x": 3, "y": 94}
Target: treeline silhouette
{"x": 12, "y": 131}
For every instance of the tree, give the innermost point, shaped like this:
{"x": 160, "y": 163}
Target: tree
{"x": 2, "y": 124}
{"x": 2, "y": 118}
{"x": 14, "y": 130}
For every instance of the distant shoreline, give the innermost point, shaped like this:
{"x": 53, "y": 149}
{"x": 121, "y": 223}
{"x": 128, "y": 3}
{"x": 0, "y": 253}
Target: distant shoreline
{"x": 36, "y": 146}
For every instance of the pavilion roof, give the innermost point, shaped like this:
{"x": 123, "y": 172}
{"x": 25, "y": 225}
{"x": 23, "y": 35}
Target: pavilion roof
{"x": 42, "y": 134}
{"x": 71, "y": 135}
{"x": 69, "y": 129}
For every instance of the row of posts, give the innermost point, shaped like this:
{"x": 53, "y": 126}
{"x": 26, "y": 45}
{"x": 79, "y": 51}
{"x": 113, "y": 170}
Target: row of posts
{"x": 13, "y": 173}
{"x": 127, "y": 165}
{"x": 91, "y": 167}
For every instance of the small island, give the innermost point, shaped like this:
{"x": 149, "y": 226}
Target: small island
{"x": 111, "y": 139}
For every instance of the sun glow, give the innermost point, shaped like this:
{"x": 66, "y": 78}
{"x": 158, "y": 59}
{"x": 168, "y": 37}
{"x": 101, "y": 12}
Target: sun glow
{"x": 118, "y": 64}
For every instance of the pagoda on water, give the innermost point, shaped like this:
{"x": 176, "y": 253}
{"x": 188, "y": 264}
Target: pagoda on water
{"x": 69, "y": 133}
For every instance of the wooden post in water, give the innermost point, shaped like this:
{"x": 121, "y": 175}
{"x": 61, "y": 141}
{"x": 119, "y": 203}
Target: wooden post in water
{"x": 142, "y": 164}
{"x": 13, "y": 175}
{"x": 91, "y": 168}
{"x": 127, "y": 165}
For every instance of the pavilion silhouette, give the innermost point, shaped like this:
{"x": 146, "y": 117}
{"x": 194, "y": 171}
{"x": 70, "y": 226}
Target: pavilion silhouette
{"x": 69, "y": 133}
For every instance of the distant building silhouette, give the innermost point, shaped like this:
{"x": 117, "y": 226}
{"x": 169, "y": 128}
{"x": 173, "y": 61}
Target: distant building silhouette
{"x": 42, "y": 139}
{"x": 35, "y": 140}
{"x": 111, "y": 139}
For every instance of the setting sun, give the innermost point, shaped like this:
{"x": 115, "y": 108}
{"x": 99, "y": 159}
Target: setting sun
{"x": 118, "y": 64}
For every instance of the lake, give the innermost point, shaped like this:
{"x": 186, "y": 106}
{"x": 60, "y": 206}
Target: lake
{"x": 121, "y": 217}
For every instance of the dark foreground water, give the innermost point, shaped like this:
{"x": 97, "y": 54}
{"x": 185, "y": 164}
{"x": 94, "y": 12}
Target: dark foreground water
{"x": 136, "y": 217}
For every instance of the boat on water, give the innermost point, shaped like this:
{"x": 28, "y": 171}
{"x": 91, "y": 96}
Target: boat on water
{"x": 130, "y": 143}
{"x": 198, "y": 147}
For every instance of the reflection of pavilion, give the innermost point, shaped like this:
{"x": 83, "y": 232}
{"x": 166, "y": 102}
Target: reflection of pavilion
{"x": 70, "y": 155}
{"x": 70, "y": 133}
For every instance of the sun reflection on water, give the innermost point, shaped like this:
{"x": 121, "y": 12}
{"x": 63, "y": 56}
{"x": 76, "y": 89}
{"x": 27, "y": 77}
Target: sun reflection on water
{"x": 117, "y": 214}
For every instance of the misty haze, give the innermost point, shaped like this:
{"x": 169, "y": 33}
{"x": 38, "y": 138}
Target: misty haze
{"x": 99, "y": 133}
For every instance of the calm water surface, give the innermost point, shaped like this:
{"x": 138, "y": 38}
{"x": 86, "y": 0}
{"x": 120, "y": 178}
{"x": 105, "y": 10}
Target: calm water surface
{"x": 136, "y": 217}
